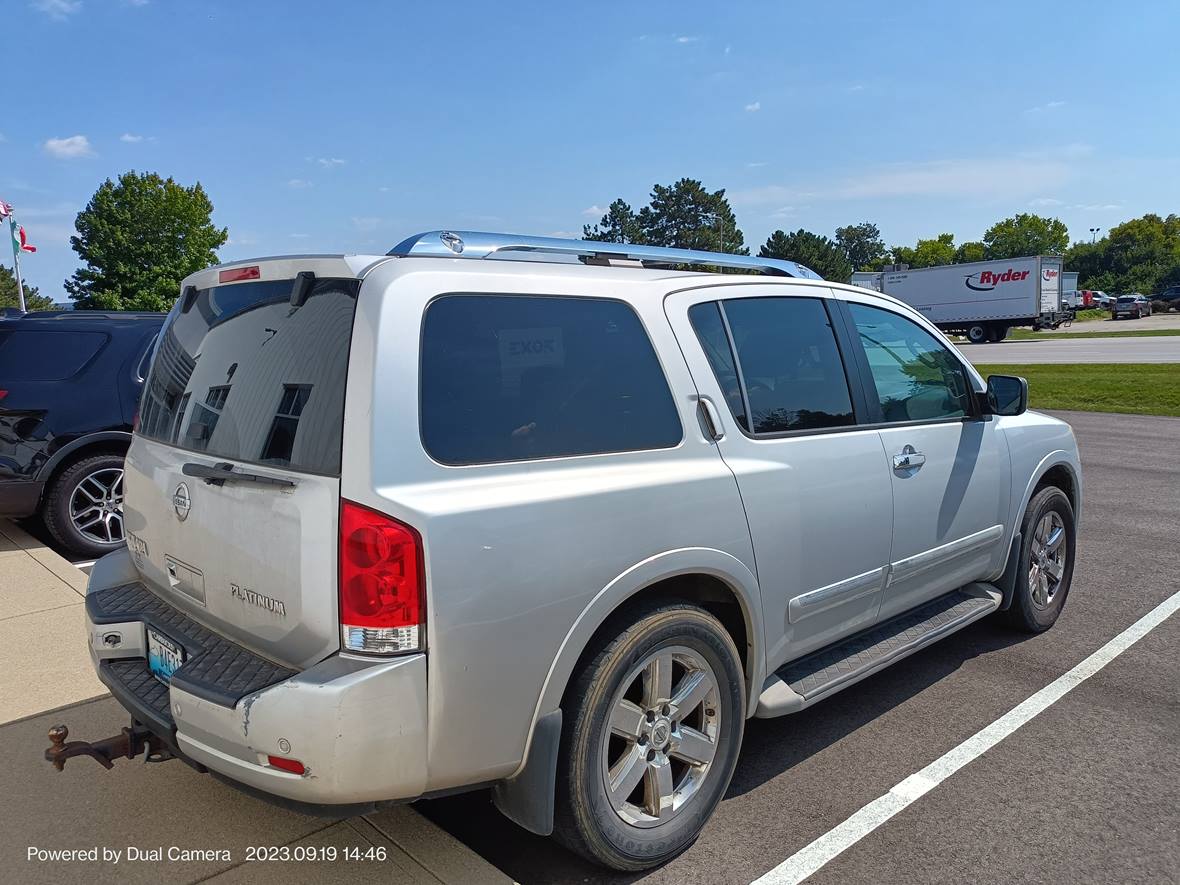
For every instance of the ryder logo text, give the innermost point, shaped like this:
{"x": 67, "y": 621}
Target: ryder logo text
{"x": 986, "y": 280}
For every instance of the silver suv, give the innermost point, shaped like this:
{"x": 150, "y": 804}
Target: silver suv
{"x": 432, "y": 521}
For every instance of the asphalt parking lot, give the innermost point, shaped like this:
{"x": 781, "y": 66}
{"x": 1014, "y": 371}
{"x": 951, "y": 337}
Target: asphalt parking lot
{"x": 1087, "y": 791}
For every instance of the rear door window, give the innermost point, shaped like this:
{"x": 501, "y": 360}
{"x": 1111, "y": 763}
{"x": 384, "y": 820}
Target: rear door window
{"x": 792, "y": 376}
{"x": 245, "y": 376}
{"x": 46, "y": 354}
{"x": 516, "y": 377}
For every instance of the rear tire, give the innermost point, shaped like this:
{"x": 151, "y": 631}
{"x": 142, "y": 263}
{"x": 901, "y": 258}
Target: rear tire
{"x": 1048, "y": 535}
{"x": 83, "y": 506}
{"x": 639, "y": 773}
{"x": 977, "y": 334}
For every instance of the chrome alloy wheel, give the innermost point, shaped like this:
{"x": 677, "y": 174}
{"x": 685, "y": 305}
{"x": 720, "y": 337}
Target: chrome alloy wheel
{"x": 1047, "y": 559}
{"x": 96, "y": 506}
{"x": 664, "y": 724}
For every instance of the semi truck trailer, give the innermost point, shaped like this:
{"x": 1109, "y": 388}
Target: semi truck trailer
{"x": 981, "y": 300}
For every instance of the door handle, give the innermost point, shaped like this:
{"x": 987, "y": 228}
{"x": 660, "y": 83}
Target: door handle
{"x": 712, "y": 419}
{"x": 908, "y": 459}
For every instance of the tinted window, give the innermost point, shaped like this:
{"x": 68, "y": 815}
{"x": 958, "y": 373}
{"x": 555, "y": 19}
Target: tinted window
{"x": 243, "y": 375}
{"x": 706, "y": 321}
{"x": 46, "y": 355}
{"x": 790, "y": 365}
{"x": 917, "y": 378}
{"x": 507, "y": 378}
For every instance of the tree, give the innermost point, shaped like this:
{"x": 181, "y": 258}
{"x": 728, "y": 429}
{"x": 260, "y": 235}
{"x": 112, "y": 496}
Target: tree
{"x": 10, "y": 298}
{"x": 139, "y": 238}
{"x": 927, "y": 253}
{"x": 862, "y": 244}
{"x": 618, "y": 225}
{"x": 682, "y": 215}
{"x": 818, "y": 253}
{"x": 970, "y": 251}
{"x": 1026, "y": 234}
{"x": 1140, "y": 255}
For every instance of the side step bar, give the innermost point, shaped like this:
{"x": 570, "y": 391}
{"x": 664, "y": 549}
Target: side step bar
{"x": 801, "y": 683}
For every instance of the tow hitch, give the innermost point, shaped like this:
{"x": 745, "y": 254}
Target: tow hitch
{"x": 128, "y": 744}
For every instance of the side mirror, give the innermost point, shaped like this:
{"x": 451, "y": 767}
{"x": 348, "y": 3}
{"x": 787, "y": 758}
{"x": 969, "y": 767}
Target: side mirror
{"x": 1007, "y": 395}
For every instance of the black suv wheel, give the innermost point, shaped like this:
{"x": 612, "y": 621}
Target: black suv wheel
{"x": 83, "y": 507}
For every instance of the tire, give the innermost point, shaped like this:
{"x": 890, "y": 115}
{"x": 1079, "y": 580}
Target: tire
{"x": 74, "y": 498}
{"x": 1042, "y": 582}
{"x": 977, "y": 334}
{"x": 613, "y": 684}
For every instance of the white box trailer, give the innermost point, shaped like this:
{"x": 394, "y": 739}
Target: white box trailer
{"x": 982, "y": 299}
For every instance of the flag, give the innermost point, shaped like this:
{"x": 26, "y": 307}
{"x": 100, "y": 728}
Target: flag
{"x": 5, "y": 210}
{"x": 19, "y": 241}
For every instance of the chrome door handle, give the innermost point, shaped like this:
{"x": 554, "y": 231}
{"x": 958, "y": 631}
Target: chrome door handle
{"x": 908, "y": 459}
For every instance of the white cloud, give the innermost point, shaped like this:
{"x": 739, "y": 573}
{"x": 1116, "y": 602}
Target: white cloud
{"x": 728, "y": 49}
{"x": 754, "y": 106}
{"x": 130, "y": 139}
{"x": 1096, "y": 207}
{"x": 1047, "y": 106}
{"x": 58, "y": 10}
{"x": 366, "y": 222}
{"x": 298, "y": 183}
{"x": 856, "y": 87}
{"x": 329, "y": 162}
{"x": 299, "y": 236}
{"x": 594, "y": 211}
{"x": 1044, "y": 202}
{"x": 684, "y": 39}
{"x": 755, "y": 165}
{"x": 383, "y": 189}
{"x": 989, "y": 178}
{"x": 784, "y": 212}
{"x": 2, "y": 138}
{"x": 136, "y": 2}
{"x": 69, "y": 148}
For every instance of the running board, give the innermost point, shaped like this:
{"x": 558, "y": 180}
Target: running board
{"x": 802, "y": 683}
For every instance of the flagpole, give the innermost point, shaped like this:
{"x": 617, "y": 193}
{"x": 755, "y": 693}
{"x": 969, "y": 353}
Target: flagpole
{"x": 20, "y": 288}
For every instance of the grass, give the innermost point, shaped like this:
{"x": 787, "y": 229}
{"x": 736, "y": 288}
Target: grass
{"x": 1133, "y": 388}
{"x": 1030, "y": 335}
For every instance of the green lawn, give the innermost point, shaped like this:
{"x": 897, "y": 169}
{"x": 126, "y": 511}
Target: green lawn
{"x": 1030, "y": 335}
{"x": 1135, "y": 388}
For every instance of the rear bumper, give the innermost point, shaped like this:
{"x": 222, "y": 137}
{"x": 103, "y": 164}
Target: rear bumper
{"x": 358, "y": 726}
{"x": 19, "y": 498}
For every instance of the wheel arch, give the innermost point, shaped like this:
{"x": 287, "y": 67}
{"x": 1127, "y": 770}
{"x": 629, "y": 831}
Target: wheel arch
{"x": 82, "y": 447}
{"x": 717, "y": 581}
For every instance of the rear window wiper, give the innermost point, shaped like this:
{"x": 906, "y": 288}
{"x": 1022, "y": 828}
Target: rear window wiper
{"x": 224, "y": 472}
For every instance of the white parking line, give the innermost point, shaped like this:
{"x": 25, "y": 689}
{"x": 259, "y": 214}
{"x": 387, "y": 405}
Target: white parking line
{"x": 807, "y": 860}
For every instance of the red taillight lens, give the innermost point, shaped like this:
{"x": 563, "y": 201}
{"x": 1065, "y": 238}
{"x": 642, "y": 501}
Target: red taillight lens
{"x": 381, "y": 582}
{"x": 236, "y": 274}
{"x": 292, "y": 765}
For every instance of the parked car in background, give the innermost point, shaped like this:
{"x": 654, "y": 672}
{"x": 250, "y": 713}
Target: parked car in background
{"x": 1170, "y": 296}
{"x": 1133, "y": 305}
{"x": 1101, "y": 299}
{"x": 420, "y": 522}
{"x": 69, "y": 386}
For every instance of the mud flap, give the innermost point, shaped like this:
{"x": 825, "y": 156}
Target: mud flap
{"x": 527, "y": 799}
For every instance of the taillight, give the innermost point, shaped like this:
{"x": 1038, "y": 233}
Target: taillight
{"x": 292, "y": 765}
{"x": 382, "y": 610}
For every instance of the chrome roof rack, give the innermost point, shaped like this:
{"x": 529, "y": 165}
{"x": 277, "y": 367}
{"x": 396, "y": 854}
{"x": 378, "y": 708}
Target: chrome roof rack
{"x": 474, "y": 244}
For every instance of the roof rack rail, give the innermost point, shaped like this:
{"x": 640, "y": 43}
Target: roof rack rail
{"x": 476, "y": 244}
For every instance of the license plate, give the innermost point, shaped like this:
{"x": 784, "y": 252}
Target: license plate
{"x": 164, "y": 655}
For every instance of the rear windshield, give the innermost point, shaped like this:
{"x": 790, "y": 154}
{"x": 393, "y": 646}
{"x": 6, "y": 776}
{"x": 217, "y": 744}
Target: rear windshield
{"x": 1126, "y": 299}
{"x": 245, "y": 376}
{"x": 46, "y": 354}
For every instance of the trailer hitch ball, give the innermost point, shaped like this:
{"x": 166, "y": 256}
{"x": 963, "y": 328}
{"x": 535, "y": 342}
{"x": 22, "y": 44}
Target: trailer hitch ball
{"x": 128, "y": 744}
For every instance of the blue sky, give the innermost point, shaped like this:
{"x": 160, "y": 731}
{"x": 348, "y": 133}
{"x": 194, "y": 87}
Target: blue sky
{"x": 347, "y": 126}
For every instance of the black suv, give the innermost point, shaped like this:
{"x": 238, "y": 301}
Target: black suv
{"x": 69, "y": 387}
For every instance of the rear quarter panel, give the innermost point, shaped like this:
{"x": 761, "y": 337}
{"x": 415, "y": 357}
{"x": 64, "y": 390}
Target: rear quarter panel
{"x": 523, "y": 559}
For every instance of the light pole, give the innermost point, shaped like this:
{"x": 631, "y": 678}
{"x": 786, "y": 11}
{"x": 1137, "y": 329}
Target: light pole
{"x": 1094, "y": 234}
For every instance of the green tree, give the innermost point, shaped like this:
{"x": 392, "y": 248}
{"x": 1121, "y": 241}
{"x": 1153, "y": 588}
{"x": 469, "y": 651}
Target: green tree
{"x": 1139, "y": 255}
{"x": 139, "y": 238}
{"x": 10, "y": 298}
{"x": 619, "y": 225}
{"x": 927, "y": 253}
{"x": 1026, "y": 234}
{"x": 818, "y": 253}
{"x": 970, "y": 251}
{"x": 862, "y": 244}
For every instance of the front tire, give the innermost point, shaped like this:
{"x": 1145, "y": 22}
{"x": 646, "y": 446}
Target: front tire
{"x": 655, "y": 722}
{"x": 1048, "y": 535}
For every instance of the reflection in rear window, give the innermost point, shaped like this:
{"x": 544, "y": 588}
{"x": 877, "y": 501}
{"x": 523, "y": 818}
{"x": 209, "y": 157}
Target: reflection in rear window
{"x": 245, "y": 376}
{"x": 509, "y": 378}
{"x": 46, "y": 355}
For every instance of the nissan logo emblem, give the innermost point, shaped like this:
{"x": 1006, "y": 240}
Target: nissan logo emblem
{"x": 181, "y": 502}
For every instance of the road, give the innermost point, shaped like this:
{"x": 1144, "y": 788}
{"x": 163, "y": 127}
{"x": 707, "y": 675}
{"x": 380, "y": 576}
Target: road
{"x": 1148, "y": 349}
{"x": 1155, "y": 321}
{"x": 1085, "y": 792}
